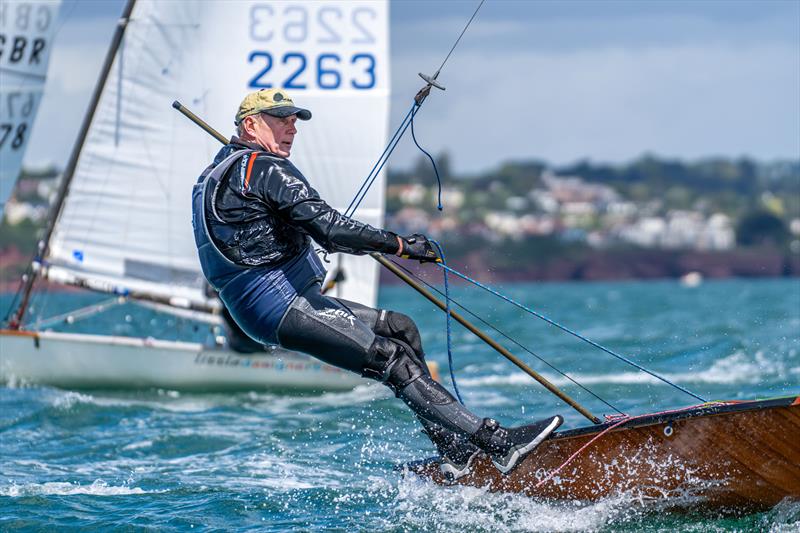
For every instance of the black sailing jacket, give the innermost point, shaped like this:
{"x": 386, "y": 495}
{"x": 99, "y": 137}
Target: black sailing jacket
{"x": 263, "y": 212}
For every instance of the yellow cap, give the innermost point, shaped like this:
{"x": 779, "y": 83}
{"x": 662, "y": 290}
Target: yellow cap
{"x": 275, "y": 102}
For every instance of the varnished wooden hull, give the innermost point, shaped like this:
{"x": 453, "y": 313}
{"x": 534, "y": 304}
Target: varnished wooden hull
{"x": 743, "y": 455}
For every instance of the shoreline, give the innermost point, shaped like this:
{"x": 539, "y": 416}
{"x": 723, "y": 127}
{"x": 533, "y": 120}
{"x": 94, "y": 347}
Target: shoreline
{"x": 621, "y": 265}
{"x": 608, "y": 265}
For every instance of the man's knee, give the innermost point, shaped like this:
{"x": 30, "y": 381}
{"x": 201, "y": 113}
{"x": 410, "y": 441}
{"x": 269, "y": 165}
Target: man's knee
{"x": 393, "y": 362}
{"x": 400, "y": 326}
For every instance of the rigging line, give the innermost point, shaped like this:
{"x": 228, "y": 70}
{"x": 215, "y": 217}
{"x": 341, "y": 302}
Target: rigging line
{"x": 439, "y": 205}
{"x": 18, "y": 292}
{"x": 506, "y": 336}
{"x": 458, "y": 40}
{"x": 414, "y": 110}
{"x": 448, "y": 319}
{"x": 364, "y": 183}
{"x": 419, "y": 99}
{"x": 71, "y": 317}
{"x": 567, "y": 330}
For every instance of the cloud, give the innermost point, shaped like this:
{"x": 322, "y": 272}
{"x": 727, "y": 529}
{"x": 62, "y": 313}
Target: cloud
{"x": 558, "y": 81}
{"x": 611, "y": 104}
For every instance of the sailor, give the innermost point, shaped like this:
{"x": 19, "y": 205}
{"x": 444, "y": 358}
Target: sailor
{"x": 254, "y": 216}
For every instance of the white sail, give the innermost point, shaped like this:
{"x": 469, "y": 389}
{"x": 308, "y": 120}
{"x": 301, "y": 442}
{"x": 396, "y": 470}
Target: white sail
{"x": 26, "y": 36}
{"x": 126, "y": 220}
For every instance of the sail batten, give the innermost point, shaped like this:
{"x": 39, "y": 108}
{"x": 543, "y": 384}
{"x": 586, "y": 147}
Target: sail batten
{"x": 126, "y": 219}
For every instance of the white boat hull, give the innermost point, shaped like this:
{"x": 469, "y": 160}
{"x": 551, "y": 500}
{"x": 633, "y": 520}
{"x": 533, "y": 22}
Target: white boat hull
{"x": 97, "y": 361}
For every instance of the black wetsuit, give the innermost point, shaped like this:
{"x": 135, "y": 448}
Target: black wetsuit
{"x": 252, "y": 225}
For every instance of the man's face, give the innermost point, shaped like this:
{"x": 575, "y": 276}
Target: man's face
{"x": 276, "y": 134}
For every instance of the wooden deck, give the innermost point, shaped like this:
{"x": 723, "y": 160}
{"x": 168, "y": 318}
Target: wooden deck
{"x": 733, "y": 455}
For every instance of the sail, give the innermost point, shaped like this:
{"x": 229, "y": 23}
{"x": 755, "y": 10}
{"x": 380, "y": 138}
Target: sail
{"x": 126, "y": 221}
{"x": 26, "y": 35}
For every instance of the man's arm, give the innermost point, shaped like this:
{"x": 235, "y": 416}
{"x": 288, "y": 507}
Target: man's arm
{"x": 301, "y": 205}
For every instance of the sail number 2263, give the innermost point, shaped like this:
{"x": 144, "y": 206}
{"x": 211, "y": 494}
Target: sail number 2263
{"x": 313, "y": 46}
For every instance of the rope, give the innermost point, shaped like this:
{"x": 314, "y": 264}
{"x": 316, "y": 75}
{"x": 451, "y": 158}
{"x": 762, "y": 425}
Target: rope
{"x": 439, "y": 205}
{"x": 379, "y": 164}
{"x": 566, "y": 329}
{"x": 623, "y": 420}
{"x": 505, "y": 335}
{"x": 15, "y": 300}
{"x": 458, "y": 40}
{"x": 580, "y": 450}
{"x": 409, "y": 119}
{"x": 78, "y": 314}
{"x": 449, "y": 327}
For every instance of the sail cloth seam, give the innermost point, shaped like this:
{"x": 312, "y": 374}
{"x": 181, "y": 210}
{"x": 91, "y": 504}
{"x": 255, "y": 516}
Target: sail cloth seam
{"x": 566, "y": 329}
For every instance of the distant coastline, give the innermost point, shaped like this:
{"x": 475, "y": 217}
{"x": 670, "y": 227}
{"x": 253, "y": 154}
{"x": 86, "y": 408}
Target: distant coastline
{"x": 621, "y": 266}
{"x": 593, "y": 265}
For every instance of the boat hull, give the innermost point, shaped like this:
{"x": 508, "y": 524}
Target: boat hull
{"x": 743, "y": 455}
{"x": 96, "y": 361}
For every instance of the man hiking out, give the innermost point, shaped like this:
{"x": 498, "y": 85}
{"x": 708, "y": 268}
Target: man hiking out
{"x": 254, "y": 215}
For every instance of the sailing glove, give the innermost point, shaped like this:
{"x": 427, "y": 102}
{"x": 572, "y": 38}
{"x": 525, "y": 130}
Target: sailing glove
{"x": 417, "y": 246}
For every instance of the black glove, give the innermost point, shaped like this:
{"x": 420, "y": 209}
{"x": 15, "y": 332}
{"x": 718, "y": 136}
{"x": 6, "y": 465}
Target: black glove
{"x": 417, "y": 247}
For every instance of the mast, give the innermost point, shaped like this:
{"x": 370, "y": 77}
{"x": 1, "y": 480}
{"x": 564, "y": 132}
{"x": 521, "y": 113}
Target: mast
{"x": 69, "y": 171}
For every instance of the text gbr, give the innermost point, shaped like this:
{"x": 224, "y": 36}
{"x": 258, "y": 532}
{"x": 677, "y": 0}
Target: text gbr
{"x": 19, "y": 22}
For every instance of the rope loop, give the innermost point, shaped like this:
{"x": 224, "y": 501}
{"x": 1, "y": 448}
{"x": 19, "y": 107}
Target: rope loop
{"x": 439, "y": 205}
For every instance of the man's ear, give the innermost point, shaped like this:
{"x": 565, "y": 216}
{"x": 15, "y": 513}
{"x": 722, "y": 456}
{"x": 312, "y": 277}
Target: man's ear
{"x": 249, "y": 123}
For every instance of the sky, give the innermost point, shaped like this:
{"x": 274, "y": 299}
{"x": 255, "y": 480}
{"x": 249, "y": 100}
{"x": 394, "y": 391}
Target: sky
{"x": 558, "y": 81}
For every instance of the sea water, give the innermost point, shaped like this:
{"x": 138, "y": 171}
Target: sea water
{"x": 169, "y": 460}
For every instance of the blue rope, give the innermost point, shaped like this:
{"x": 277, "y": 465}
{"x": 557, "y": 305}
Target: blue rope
{"x": 449, "y": 329}
{"x": 502, "y": 333}
{"x": 382, "y": 160}
{"x": 439, "y": 205}
{"x": 565, "y": 329}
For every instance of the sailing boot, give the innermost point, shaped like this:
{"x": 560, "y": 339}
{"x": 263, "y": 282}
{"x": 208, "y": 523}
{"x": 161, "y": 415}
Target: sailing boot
{"x": 456, "y": 452}
{"x": 390, "y": 361}
{"x": 509, "y": 446}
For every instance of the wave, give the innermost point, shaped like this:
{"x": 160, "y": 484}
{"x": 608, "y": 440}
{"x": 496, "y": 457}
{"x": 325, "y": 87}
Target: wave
{"x": 419, "y": 504}
{"x": 98, "y": 488}
{"x": 734, "y": 369}
{"x": 426, "y": 506}
{"x": 171, "y": 401}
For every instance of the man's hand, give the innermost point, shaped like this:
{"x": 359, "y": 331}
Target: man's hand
{"x": 417, "y": 247}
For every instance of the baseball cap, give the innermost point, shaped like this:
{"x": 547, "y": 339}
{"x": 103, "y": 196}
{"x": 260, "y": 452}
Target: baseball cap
{"x": 275, "y": 102}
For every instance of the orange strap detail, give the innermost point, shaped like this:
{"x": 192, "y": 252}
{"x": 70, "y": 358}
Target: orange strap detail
{"x": 253, "y": 157}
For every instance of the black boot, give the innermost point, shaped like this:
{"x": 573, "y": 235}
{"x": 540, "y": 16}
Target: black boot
{"x": 390, "y": 362}
{"x": 509, "y": 446}
{"x": 457, "y": 453}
